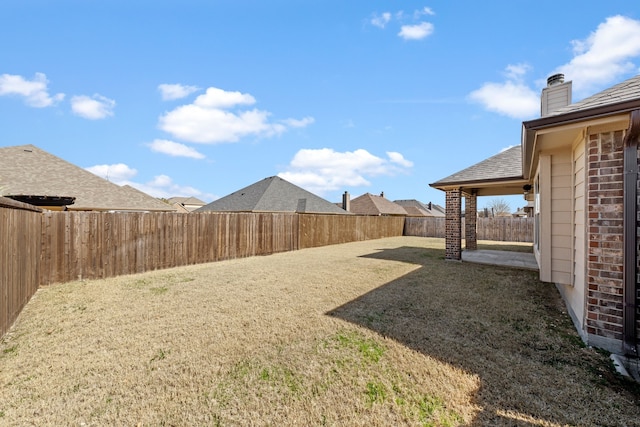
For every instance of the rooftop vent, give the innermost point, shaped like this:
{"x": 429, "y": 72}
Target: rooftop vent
{"x": 556, "y": 79}
{"x": 555, "y": 96}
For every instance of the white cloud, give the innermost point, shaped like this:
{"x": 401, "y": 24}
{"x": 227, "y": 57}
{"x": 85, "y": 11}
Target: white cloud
{"x": 218, "y": 98}
{"x": 323, "y": 170}
{"x": 382, "y": 20}
{"x": 92, "y": 108}
{"x": 517, "y": 71}
{"x": 299, "y": 123}
{"x": 174, "y": 149}
{"x": 416, "y": 32}
{"x": 398, "y": 158}
{"x": 115, "y": 173}
{"x": 175, "y": 91}
{"x": 424, "y": 11}
{"x": 599, "y": 60}
{"x": 164, "y": 187}
{"x": 604, "y": 56}
{"x": 160, "y": 186}
{"x": 512, "y": 98}
{"x": 410, "y": 31}
{"x": 208, "y": 120}
{"x": 34, "y": 91}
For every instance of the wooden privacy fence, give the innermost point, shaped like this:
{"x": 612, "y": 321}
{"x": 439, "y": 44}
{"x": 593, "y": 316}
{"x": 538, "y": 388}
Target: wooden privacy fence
{"x": 505, "y": 229}
{"x": 53, "y": 247}
{"x": 20, "y": 246}
{"x": 92, "y": 245}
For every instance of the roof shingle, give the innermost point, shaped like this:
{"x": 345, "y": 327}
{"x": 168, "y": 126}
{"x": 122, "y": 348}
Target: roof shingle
{"x": 273, "y": 194}
{"x": 368, "y": 204}
{"x": 625, "y": 91}
{"x": 504, "y": 165}
{"x": 28, "y": 170}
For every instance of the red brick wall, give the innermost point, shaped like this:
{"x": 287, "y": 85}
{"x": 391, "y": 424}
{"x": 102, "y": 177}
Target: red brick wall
{"x": 470, "y": 217}
{"x": 453, "y": 223}
{"x": 605, "y": 235}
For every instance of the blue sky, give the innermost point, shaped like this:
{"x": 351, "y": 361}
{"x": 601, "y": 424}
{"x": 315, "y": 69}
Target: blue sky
{"x": 201, "y": 98}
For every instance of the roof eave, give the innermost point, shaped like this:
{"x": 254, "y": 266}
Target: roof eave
{"x": 453, "y": 184}
{"x": 530, "y": 127}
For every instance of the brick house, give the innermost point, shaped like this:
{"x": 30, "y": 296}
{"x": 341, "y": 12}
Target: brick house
{"x": 578, "y": 163}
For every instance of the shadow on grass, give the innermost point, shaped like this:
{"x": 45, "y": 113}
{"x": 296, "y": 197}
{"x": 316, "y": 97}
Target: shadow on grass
{"x": 506, "y": 327}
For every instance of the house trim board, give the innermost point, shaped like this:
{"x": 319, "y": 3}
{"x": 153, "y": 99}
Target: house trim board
{"x": 630, "y": 184}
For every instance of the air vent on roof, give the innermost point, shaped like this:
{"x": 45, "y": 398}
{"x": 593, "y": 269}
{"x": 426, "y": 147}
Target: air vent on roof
{"x": 556, "y": 79}
{"x": 556, "y": 95}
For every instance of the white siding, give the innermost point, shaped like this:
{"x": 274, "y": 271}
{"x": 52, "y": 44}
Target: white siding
{"x": 573, "y": 292}
{"x": 561, "y": 217}
{"x": 577, "y": 297}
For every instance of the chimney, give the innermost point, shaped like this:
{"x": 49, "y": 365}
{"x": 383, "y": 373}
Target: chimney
{"x": 556, "y": 95}
{"x": 346, "y": 201}
{"x": 430, "y": 206}
{"x": 382, "y": 194}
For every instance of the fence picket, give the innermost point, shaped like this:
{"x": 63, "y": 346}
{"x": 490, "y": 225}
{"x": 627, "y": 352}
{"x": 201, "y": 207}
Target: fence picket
{"x": 42, "y": 248}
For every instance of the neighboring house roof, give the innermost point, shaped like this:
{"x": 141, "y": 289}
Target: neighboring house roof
{"x": 417, "y": 208}
{"x": 180, "y": 208}
{"x": 186, "y": 201}
{"x": 26, "y": 170}
{"x": 368, "y": 204}
{"x": 520, "y": 212}
{"x": 437, "y": 208}
{"x": 185, "y": 204}
{"x": 415, "y": 211}
{"x": 273, "y": 194}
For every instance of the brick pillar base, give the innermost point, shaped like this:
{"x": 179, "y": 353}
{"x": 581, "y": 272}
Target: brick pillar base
{"x": 470, "y": 219}
{"x": 453, "y": 223}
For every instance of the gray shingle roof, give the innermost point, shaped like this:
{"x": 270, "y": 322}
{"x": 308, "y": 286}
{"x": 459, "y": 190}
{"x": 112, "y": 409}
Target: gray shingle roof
{"x": 185, "y": 204}
{"x": 273, "y": 194}
{"x": 417, "y": 208}
{"x": 626, "y": 91}
{"x": 28, "y": 170}
{"x": 504, "y": 165}
{"x": 186, "y": 201}
{"x": 368, "y": 204}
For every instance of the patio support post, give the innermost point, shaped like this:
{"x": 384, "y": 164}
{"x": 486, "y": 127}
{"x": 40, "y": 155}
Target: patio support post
{"x": 453, "y": 224}
{"x": 470, "y": 220}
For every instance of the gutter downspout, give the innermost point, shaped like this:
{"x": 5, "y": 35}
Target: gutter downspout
{"x": 630, "y": 184}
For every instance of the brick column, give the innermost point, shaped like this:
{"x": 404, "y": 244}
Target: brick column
{"x": 605, "y": 235}
{"x": 453, "y": 223}
{"x": 470, "y": 219}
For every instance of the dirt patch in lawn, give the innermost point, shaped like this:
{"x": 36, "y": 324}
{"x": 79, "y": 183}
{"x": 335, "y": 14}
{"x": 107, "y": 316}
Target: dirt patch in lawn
{"x": 382, "y": 332}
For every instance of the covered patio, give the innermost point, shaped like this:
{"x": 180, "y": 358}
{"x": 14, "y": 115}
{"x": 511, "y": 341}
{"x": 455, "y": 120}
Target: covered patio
{"x": 499, "y": 175}
{"x": 522, "y": 260}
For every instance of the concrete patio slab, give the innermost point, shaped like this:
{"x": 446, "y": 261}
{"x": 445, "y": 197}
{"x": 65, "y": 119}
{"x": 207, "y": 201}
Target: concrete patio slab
{"x": 502, "y": 258}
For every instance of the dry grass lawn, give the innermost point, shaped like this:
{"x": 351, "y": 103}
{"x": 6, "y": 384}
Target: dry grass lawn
{"x": 374, "y": 333}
